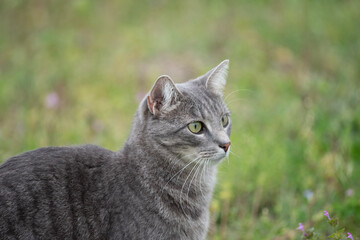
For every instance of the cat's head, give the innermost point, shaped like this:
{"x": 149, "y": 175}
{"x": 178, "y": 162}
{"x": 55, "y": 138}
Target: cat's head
{"x": 189, "y": 120}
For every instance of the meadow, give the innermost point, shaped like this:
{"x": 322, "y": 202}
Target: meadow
{"x": 73, "y": 72}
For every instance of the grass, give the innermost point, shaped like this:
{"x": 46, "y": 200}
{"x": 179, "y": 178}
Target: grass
{"x": 293, "y": 90}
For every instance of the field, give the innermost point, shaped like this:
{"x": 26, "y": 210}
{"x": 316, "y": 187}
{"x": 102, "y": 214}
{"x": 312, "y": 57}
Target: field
{"x": 73, "y": 73}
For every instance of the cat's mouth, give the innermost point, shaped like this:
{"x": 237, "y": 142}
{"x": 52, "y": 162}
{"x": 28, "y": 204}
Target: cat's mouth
{"x": 214, "y": 156}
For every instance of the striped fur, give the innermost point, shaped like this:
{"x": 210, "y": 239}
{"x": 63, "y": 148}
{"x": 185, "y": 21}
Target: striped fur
{"x": 158, "y": 186}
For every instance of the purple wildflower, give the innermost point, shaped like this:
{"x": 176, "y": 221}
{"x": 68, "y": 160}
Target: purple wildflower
{"x": 349, "y": 192}
{"x": 350, "y": 236}
{"x": 327, "y": 214}
{"x": 301, "y": 228}
{"x": 52, "y": 100}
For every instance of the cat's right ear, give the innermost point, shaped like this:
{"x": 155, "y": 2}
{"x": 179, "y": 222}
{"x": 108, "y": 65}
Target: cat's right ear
{"x": 163, "y": 96}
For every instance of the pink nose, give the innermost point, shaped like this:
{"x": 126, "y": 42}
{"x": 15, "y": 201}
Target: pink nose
{"x": 225, "y": 146}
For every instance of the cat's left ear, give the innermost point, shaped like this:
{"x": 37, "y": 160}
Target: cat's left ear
{"x": 163, "y": 96}
{"x": 217, "y": 78}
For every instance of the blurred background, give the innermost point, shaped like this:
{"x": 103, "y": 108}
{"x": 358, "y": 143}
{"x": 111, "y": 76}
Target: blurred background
{"x": 73, "y": 72}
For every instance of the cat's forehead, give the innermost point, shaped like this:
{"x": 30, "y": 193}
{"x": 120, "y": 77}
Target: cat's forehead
{"x": 200, "y": 102}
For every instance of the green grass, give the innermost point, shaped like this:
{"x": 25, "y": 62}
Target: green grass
{"x": 296, "y": 116}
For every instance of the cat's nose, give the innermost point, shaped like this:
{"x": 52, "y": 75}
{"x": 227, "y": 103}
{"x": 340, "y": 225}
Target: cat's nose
{"x": 225, "y": 146}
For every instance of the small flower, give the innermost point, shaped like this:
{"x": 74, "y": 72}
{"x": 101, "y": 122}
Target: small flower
{"x": 301, "y": 228}
{"x": 349, "y": 192}
{"x": 308, "y": 194}
{"x": 350, "y": 236}
{"x": 52, "y": 100}
{"x": 327, "y": 214}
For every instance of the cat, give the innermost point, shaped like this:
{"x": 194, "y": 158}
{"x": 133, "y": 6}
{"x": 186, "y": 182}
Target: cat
{"x": 158, "y": 186}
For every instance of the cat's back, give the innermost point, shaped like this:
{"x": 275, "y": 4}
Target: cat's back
{"x": 55, "y": 191}
{"x": 51, "y": 162}
{"x": 42, "y": 157}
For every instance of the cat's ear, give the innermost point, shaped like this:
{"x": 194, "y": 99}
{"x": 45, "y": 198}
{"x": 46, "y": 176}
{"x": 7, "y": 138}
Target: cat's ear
{"x": 217, "y": 78}
{"x": 163, "y": 96}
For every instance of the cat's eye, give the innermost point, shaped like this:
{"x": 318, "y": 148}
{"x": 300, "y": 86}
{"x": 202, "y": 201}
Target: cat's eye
{"x": 195, "y": 127}
{"x": 225, "y": 120}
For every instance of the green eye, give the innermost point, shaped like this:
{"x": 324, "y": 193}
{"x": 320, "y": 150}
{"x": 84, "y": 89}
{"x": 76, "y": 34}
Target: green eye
{"x": 225, "y": 120}
{"x": 195, "y": 127}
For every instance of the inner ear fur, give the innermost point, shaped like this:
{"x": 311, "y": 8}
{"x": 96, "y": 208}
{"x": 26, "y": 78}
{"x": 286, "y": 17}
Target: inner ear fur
{"x": 163, "y": 96}
{"x": 217, "y": 78}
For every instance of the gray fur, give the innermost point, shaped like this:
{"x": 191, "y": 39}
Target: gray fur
{"x": 158, "y": 186}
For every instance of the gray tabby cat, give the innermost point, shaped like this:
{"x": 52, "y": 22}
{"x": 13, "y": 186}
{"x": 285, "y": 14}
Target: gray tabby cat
{"x": 158, "y": 186}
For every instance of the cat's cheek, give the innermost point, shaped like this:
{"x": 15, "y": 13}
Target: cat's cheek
{"x": 190, "y": 155}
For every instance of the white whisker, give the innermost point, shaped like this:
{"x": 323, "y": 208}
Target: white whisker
{"x": 237, "y": 156}
{"x": 236, "y": 100}
{"x": 179, "y": 172}
{"x": 182, "y": 188}
{"x": 196, "y": 171}
{"x": 236, "y": 91}
{"x": 202, "y": 176}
